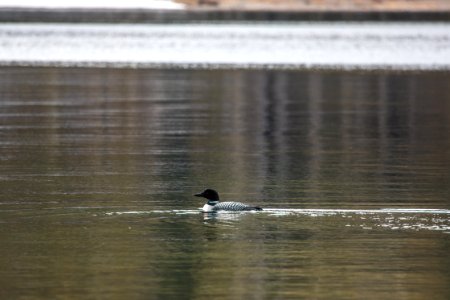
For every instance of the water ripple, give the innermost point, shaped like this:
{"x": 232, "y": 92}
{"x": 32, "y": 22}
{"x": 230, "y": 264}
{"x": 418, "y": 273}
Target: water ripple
{"x": 362, "y": 45}
{"x": 366, "y": 219}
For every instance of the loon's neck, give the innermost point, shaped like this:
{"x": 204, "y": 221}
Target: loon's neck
{"x": 209, "y": 206}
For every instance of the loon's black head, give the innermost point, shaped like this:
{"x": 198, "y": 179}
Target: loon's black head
{"x": 209, "y": 194}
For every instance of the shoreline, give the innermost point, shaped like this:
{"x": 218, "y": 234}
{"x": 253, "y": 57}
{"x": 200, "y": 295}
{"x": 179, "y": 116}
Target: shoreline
{"x": 209, "y": 14}
{"x": 321, "y": 5}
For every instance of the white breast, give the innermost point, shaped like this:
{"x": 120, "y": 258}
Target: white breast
{"x": 207, "y": 208}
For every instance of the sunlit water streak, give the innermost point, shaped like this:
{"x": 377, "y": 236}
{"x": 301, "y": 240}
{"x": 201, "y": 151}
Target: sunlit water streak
{"x": 363, "y": 45}
{"x": 367, "y": 219}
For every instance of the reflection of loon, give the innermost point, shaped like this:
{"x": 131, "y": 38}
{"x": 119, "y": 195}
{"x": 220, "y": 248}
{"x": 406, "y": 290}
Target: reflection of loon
{"x": 214, "y": 204}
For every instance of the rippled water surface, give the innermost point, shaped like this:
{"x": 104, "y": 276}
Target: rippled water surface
{"x": 98, "y": 168}
{"x": 350, "y": 45}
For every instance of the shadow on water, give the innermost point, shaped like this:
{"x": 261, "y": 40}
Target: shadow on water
{"x": 98, "y": 168}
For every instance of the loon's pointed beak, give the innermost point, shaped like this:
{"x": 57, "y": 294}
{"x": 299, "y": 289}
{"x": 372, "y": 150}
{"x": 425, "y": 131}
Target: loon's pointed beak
{"x": 199, "y": 195}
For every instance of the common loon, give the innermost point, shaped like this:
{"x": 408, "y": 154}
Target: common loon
{"x": 214, "y": 204}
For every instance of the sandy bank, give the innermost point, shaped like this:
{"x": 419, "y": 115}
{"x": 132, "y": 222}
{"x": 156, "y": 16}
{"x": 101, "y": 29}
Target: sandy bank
{"x": 321, "y": 5}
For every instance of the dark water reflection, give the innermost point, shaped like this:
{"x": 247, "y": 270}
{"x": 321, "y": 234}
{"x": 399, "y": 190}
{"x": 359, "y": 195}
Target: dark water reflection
{"x": 94, "y": 161}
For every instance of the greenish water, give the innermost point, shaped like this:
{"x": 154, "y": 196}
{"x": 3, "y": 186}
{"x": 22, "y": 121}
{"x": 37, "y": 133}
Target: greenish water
{"x": 98, "y": 168}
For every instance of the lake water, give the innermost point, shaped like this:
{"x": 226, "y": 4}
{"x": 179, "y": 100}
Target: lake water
{"x": 288, "y": 45}
{"x": 98, "y": 168}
